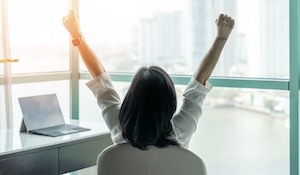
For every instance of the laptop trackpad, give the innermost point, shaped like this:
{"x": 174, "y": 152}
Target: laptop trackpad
{"x": 68, "y": 131}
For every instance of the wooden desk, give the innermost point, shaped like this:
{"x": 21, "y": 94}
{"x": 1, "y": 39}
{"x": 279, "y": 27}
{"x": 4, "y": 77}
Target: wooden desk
{"x": 24, "y": 153}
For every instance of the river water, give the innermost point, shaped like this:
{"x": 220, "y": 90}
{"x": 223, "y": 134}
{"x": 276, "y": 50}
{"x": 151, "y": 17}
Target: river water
{"x": 236, "y": 141}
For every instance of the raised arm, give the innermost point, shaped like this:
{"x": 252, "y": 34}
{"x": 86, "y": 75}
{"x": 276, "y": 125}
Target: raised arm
{"x": 224, "y": 25}
{"x": 91, "y": 61}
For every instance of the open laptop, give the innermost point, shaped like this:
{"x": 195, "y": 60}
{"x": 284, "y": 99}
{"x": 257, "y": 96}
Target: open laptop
{"x": 42, "y": 115}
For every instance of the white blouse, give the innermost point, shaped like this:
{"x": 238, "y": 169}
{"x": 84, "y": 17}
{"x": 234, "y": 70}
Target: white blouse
{"x": 184, "y": 122}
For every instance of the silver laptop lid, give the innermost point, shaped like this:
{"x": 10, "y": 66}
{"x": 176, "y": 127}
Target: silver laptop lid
{"x": 41, "y": 111}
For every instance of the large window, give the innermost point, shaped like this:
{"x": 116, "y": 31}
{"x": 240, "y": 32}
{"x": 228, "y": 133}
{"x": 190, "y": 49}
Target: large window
{"x": 244, "y": 129}
{"x": 239, "y": 129}
{"x": 37, "y": 35}
{"x": 2, "y": 106}
{"x": 248, "y": 117}
{"x": 177, "y": 36}
{"x": 1, "y": 46}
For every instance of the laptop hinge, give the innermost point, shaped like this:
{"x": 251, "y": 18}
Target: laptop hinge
{"x": 23, "y": 127}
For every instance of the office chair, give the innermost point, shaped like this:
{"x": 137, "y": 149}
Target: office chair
{"x": 124, "y": 159}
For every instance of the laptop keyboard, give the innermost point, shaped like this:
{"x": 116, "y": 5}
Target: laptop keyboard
{"x": 53, "y": 129}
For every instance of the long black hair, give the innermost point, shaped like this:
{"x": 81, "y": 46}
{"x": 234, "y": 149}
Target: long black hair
{"x": 147, "y": 109}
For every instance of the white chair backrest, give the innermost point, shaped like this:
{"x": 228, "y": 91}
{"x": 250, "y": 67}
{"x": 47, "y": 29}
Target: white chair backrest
{"x": 124, "y": 159}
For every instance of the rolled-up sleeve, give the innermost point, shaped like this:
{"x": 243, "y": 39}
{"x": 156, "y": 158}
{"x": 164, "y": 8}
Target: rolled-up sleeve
{"x": 109, "y": 102}
{"x": 185, "y": 121}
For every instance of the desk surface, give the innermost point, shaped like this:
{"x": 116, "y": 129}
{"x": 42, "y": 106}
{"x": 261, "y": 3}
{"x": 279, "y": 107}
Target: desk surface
{"x": 12, "y": 141}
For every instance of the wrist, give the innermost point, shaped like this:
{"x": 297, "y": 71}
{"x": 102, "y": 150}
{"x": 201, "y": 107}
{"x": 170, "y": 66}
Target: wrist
{"x": 78, "y": 41}
{"x": 76, "y": 35}
{"x": 219, "y": 38}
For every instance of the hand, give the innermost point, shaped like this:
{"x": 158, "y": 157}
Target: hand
{"x": 224, "y": 25}
{"x": 71, "y": 23}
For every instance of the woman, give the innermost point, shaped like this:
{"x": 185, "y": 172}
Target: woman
{"x": 146, "y": 116}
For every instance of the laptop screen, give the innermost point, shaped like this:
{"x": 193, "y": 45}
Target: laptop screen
{"x": 41, "y": 111}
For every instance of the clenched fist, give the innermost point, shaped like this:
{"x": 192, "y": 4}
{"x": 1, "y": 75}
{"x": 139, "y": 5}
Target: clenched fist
{"x": 225, "y": 25}
{"x": 71, "y": 23}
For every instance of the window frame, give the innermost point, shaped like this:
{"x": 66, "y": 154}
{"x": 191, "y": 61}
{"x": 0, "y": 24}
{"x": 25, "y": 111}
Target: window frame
{"x": 294, "y": 85}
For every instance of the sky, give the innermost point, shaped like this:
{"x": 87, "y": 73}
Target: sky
{"x": 105, "y": 20}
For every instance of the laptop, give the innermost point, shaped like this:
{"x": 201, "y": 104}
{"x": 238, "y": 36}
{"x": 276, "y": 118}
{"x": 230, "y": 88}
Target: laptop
{"x": 42, "y": 115}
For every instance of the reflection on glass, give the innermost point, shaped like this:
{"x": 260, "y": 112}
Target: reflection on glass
{"x": 37, "y": 36}
{"x": 129, "y": 34}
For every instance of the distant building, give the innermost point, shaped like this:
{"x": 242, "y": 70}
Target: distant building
{"x": 199, "y": 32}
{"x": 274, "y": 34}
{"x": 146, "y": 42}
{"x": 161, "y": 39}
{"x": 203, "y": 31}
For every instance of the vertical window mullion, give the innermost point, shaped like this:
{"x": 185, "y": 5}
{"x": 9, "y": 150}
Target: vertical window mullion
{"x": 74, "y": 68}
{"x": 7, "y": 66}
{"x": 294, "y": 86}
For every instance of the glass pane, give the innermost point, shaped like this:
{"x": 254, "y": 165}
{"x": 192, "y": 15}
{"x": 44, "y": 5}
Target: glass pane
{"x": 37, "y": 35}
{"x": 242, "y": 130}
{"x": 2, "y": 108}
{"x": 88, "y": 107}
{"x": 1, "y": 45}
{"x": 60, "y": 88}
{"x": 2, "y": 94}
{"x": 177, "y": 35}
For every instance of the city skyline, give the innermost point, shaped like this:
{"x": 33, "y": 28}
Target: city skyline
{"x": 178, "y": 43}
{"x": 245, "y": 54}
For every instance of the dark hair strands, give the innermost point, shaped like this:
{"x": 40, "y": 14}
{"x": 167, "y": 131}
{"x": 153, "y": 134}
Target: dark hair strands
{"x": 147, "y": 109}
